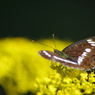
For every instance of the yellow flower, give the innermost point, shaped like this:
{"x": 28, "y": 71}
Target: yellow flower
{"x": 22, "y": 69}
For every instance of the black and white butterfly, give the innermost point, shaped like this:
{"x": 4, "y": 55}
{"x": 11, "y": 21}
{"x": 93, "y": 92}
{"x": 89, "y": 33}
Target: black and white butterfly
{"x": 80, "y": 55}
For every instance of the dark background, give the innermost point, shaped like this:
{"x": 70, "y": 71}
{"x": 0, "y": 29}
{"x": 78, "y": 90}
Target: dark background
{"x": 37, "y": 19}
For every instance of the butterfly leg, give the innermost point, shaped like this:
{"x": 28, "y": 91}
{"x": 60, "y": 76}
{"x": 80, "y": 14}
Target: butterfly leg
{"x": 88, "y": 72}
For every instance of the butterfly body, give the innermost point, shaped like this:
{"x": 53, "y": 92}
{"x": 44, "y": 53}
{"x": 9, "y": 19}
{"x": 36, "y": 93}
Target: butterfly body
{"x": 80, "y": 55}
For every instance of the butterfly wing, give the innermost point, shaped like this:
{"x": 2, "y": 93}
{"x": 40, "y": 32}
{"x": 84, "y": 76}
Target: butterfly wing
{"x": 83, "y": 52}
{"x": 57, "y": 58}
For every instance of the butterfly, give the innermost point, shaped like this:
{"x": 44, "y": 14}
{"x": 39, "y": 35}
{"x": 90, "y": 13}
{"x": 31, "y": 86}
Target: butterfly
{"x": 79, "y": 55}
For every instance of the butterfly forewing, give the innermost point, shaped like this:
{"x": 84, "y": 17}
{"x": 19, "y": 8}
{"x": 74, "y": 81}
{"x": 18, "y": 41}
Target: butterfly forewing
{"x": 57, "y": 58}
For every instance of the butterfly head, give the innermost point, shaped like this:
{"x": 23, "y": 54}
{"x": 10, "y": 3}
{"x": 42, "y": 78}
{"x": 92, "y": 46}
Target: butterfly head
{"x": 62, "y": 54}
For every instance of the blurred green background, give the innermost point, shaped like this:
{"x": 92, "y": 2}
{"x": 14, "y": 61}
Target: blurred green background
{"x": 41, "y": 18}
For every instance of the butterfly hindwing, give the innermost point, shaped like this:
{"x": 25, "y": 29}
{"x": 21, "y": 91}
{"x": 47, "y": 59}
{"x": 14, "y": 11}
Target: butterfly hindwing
{"x": 83, "y": 52}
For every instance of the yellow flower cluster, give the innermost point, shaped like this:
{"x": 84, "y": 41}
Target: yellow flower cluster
{"x": 60, "y": 85}
{"x": 22, "y": 70}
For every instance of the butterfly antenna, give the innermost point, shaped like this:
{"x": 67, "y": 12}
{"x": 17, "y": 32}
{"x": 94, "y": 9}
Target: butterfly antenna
{"x": 42, "y": 44}
{"x": 54, "y": 40}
